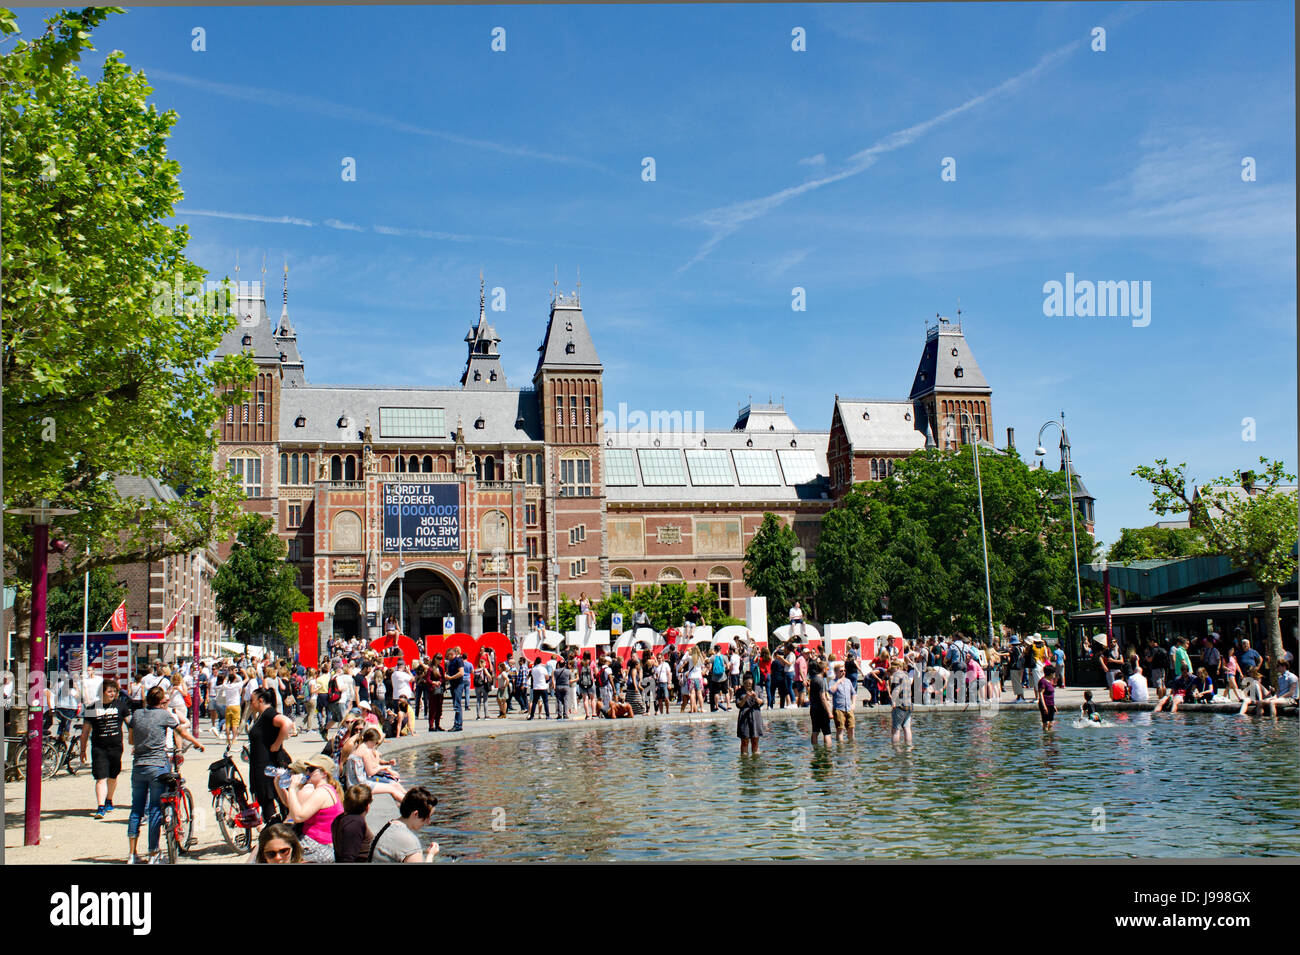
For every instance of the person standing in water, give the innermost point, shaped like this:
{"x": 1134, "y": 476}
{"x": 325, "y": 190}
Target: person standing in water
{"x": 749, "y": 719}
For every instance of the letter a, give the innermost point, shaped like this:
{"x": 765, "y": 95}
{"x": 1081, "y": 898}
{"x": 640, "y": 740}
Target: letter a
{"x": 498, "y": 39}
{"x": 800, "y": 42}
{"x": 948, "y": 169}
{"x": 349, "y": 169}
{"x": 200, "y": 42}
{"x": 798, "y": 299}
{"x": 648, "y": 169}
{"x": 1247, "y": 429}
{"x": 1099, "y": 39}
{"x": 1054, "y": 304}
{"x": 1248, "y": 169}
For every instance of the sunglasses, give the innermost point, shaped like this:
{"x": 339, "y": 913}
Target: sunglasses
{"x": 278, "y": 853}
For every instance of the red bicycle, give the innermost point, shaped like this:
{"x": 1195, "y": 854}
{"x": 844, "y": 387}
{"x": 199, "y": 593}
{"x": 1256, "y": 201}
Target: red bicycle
{"x": 237, "y": 814}
{"x": 178, "y": 812}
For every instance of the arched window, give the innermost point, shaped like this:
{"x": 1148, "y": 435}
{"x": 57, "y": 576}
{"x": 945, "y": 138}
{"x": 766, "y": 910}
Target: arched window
{"x": 350, "y": 468}
{"x": 305, "y": 469}
{"x": 426, "y": 465}
{"x": 413, "y": 465}
{"x": 489, "y": 468}
{"x": 620, "y": 582}
{"x": 575, "y": 475}
{"x": 478, "y": 467}
{"x": 442, "y": 464}
{"x": 519, "y": 467}
{"x": 670, "y": 575}
{"x": 875, "y": 470}
{"x": 385, "y": 463}
{"x": 537, "y": 467}
{"x": 247, "y": 469}
{"x": 528, "y": 468}
{"x": 336, "y": 468}
{"x": 401, "y": 464}
{"x": 284, "y": 468}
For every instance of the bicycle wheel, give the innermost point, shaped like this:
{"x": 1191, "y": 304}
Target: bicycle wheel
{"x": 185, "y": 820}
{"x": 239, "y": 838}
{"x": 52, "y": 753}
{"x": 170, "y": 828}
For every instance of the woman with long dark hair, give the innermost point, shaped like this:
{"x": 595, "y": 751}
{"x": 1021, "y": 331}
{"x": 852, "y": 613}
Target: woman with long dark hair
{"x": 435, "y": 677}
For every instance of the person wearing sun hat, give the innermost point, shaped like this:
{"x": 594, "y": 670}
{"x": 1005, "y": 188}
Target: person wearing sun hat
{"x": 314, "y": 800}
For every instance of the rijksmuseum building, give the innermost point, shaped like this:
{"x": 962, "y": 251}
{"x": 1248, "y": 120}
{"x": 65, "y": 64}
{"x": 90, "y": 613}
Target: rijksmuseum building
{"x": 469, "y": 500}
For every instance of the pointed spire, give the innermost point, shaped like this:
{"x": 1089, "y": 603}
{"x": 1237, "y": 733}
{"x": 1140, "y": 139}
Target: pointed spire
{"x": 286, "y": 285}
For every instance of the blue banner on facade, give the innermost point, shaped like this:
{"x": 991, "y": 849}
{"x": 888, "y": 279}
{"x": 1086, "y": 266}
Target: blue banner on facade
{"x": 421, "y": 518}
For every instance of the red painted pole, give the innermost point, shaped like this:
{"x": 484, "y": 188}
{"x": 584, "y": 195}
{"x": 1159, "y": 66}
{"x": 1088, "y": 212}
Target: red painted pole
{"x": 36, "y": 687}
{"x": 194, "y": 668}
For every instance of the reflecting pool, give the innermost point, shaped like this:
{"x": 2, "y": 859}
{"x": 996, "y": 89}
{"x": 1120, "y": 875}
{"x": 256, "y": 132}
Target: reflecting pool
{"x": 1187, "y": 785}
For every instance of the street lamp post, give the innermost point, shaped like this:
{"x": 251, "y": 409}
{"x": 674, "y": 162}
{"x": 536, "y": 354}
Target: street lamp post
{"x": 1040, "y": 452}
{"x": 979, "y": 489}
{"x": 36, "y": 656}
{"x": 1103, "y": 566}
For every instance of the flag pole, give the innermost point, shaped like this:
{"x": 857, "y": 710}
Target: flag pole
{"x": 85, "y": 627}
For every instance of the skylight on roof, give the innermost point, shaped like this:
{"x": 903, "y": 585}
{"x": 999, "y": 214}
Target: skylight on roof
{"x": 755, "y": 467}
{"x": 412, "y": 423}
{"x": 799, "y": 466}
{"x": 620, "y": 467}
{"x": 709, "y": 468}
{"x": 661, "y": 467}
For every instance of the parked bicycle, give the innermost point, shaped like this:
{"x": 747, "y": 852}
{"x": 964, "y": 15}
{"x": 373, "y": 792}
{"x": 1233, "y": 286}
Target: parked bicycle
{"x": 178, "y": 812}
{"x": 238, "y": 815}
{"x": 61, "y": 752}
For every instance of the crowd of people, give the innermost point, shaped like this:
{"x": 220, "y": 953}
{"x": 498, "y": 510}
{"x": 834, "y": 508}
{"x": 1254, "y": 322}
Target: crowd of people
{"x": 1212, "y": 669}
{"x": 314, "y": 809}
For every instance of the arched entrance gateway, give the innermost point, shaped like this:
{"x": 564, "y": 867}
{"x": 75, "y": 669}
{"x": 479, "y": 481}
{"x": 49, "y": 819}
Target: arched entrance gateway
{"x": 347, "y": 618}
{"x": 427, "y": 597}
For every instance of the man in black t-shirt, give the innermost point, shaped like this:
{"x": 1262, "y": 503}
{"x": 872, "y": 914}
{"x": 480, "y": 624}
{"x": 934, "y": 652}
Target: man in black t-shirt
{"x": 103, "y": 730}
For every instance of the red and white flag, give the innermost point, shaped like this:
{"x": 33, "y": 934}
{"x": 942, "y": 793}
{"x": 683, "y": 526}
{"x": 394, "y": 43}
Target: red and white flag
{"x": 117, "y": 622}
{"x": 176, "y": 616}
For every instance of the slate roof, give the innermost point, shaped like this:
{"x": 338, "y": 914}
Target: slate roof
{"x": 771, "y": 417}
{"x": 565, "y": 327}
{"x": 509, "y": 417}
{"x": 880, "y": 425}
{"x": 938, "y": 367}
{"x": 143, "y": 488}
{"x": 250, "y": 308}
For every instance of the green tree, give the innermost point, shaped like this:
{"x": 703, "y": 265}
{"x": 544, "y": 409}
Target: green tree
{"x": 63, "y": 612}
{"x": 770, "y": 570}
{"x": 1246, "y": 518}
{"x": 1154, "y": 543}
{"x": 568, "y": 612}
{"x": 915, "y": 539}
{"x": 256, "y": 589}
{"x": 99, "y": 380}
{"x": 849, "y": 579}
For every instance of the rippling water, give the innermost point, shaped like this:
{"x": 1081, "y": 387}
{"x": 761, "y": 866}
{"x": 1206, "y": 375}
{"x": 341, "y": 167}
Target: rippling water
{"x": 1190, "y": 785}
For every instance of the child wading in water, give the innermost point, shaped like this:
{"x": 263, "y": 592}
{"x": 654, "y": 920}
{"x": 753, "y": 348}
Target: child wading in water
{"x": 749, "y": 721}
{"x": 1089, "y": 708}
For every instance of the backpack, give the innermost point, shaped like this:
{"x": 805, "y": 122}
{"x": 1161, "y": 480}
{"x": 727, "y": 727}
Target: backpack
{"x": 334, "y": 694}
{"x": 584, "y": 677}
{"x": 956, "y": 660}
{"x": 603, "y": 678}
{"x": 719, "y": 667}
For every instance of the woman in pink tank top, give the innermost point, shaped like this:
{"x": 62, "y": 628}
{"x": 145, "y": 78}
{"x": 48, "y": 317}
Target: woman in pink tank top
{"x": 314, "y": 802}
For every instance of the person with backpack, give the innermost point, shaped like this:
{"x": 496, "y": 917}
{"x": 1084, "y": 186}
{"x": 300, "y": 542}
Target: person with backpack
{"x": 541, "y": 683}
{"x": 718, "y": 681}
{"x": 605, "y": 682}
{"x": 586, "y": 688}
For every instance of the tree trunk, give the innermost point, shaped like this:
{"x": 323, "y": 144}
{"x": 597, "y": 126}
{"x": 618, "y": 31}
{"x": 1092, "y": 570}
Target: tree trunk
{"x": 1272, "y": 620}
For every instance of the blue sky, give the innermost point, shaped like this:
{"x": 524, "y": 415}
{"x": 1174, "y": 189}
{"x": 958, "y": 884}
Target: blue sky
{"x": 774, "y": 169}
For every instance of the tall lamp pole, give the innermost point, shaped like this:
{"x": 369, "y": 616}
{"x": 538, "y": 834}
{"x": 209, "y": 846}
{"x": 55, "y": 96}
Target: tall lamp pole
{"x": 1040, "y": 452}
{"x": 36, "y": 660}
{"x": 984, "y": 541}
